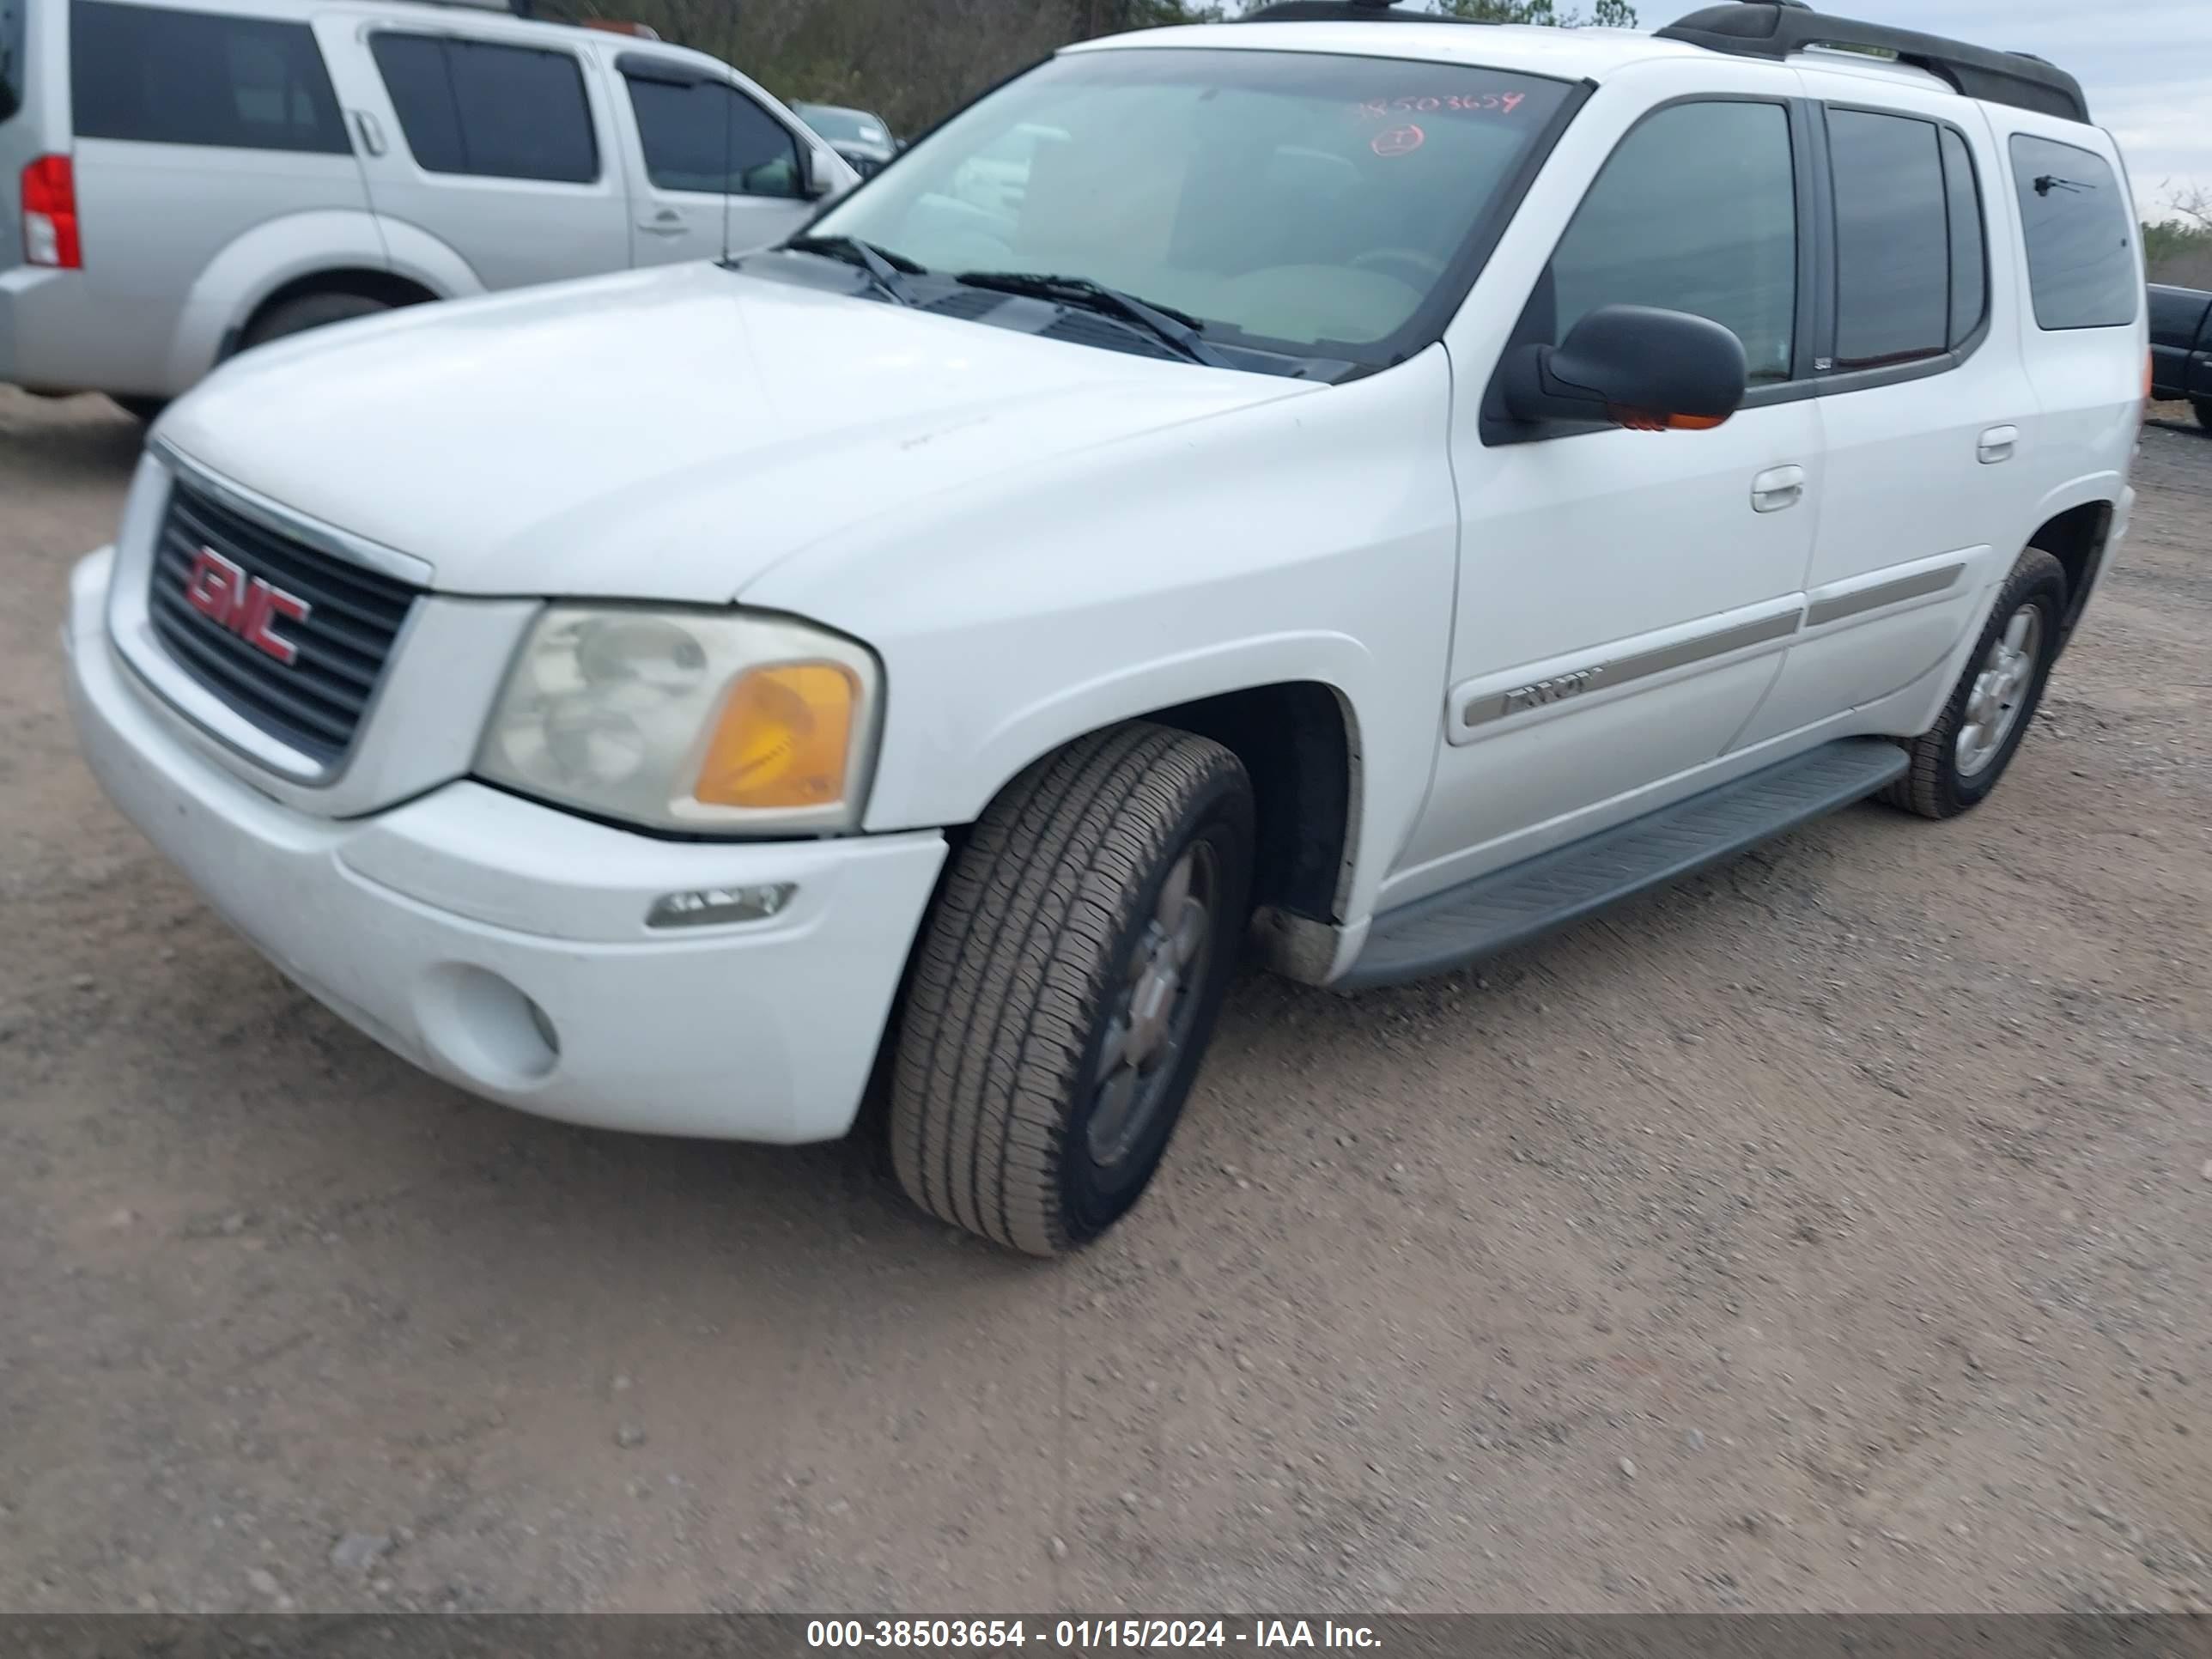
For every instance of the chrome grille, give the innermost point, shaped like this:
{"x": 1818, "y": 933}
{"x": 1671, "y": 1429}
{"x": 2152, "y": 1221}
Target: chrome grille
{"x": 315, "y": 703}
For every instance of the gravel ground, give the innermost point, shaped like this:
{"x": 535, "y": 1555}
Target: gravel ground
{"x": 1830, "y": 1232}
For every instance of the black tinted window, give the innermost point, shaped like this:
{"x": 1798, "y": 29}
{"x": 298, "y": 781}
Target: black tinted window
{"x": 707, "y": 136}
{"x": 2075, "y": 216}
{"x": 194, "y": 77}
{"x": 502, "y": 112}
{"x": 14, "y": 16}
{"x": 1892, "y": 240}
{"x": 1970, "y": 278}
{"x": 1696, "y": 211}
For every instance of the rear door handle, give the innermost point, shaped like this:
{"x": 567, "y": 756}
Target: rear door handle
{"x": 1996, "y": 445}
{"x": 372, "y": 136}
{"x": 1777, "y": 488}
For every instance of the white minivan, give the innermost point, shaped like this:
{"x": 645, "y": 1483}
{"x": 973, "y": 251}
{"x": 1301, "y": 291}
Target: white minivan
{"x": 182, "y": 178}
{"x": 1374, "y": 489}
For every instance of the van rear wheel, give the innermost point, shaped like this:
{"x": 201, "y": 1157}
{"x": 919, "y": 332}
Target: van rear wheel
{"x": 1067, "y": 983}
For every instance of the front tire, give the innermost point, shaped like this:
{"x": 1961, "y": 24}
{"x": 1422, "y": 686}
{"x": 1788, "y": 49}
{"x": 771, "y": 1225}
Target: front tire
{"x": 1069, "y": 978}
{"x": 1957, "y": 762}
{"x": 2203, "y": 408}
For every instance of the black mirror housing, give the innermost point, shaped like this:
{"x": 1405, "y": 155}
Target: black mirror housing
{"x": 1631, "y": 366}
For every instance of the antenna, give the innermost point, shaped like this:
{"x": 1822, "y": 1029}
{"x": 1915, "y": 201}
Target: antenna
{"x": 729, "y": 157}
{"x": 729, "y": 45}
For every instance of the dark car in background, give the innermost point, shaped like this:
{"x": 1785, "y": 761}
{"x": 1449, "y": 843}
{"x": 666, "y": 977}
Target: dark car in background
{"x": 2180, "y": 345}
{"x": 862, "y": 138}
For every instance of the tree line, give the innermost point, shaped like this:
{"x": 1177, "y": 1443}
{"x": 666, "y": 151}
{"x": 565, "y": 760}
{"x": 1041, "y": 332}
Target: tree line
{"x": 914, "y": 61}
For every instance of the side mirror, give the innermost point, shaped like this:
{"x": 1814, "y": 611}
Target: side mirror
{"x": 814, "y": 182}
{"x": 1631, "y": 366}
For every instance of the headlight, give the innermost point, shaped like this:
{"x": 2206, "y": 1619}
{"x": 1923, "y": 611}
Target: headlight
{"x": 707, "y": 721}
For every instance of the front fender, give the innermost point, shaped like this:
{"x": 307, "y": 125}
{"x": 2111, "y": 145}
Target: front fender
{"x": 1309, "y": 539}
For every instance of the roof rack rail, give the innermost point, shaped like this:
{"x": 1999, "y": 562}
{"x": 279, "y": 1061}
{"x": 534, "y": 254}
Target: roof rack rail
{"x": 1776, "y": 28}
{"x": 1345, "y": 11}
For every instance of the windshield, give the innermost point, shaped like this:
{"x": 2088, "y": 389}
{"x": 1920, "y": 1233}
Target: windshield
{"x": 849, "y": 126}
{"x": 1292, "y": 200}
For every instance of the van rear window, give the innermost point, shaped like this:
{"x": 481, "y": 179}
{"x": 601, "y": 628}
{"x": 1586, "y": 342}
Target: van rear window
{"x": 195, "y": 78}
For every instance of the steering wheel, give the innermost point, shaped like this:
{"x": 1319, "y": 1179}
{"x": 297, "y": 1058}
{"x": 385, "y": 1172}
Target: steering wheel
{"x": 1397, "y": 261}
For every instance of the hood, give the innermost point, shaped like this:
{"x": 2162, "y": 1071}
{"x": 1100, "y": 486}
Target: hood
{"x": 668, "y": 434}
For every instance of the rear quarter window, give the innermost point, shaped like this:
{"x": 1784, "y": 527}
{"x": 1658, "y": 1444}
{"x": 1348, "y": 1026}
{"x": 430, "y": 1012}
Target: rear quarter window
{"x": 195, "y": 78}
{"x": 2076, "y": 220}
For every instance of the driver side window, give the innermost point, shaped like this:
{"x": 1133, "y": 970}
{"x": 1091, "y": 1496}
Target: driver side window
{"x": 1696, "y": 211}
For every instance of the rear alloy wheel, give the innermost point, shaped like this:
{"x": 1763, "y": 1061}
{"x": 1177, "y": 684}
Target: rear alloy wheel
{"x": 1957, "y": 762}
{"x": 1067, "y": 981}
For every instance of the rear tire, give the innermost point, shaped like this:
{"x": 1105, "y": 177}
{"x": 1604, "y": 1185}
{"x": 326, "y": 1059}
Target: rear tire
{"x": 2203, "y": 408}
{"x": 1068, "y": 979}
{"x": 1957, "y": 762}
{"x": 297, "y": 316}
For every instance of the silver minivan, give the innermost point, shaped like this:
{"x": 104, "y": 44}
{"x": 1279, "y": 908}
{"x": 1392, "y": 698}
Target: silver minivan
{"x": 194, "y": 177}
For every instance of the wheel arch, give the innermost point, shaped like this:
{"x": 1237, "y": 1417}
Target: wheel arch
{"x": 1299, "y": 738}
{"x": 272, "y": 255}
{"x": 2077, "y": 537}
{"x": 381, "y": 286}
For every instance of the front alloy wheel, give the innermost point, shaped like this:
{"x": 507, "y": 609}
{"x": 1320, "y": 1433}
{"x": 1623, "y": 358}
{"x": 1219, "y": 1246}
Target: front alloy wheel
{"x": 1066, "y": 982}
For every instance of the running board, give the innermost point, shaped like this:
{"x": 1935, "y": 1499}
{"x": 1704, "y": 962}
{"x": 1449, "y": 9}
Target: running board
{"x": 1523, "y": 901}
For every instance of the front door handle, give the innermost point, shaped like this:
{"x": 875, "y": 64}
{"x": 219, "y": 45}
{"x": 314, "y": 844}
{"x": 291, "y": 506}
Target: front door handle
{"x": 1777, "y": 488}
{"x": 1996, "y": 445}
{"x": 667, "y": 222}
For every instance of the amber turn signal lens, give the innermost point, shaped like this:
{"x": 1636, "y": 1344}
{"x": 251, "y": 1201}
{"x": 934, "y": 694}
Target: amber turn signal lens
{"x": 784, "y": 739}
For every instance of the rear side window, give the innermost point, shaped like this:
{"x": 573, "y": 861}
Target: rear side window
{"x": 197, "y": 77}
{"x": 2081, "y": 265}
{"x": 494, "y": 111}
{"x": 1893, "y": 241}
{"x": 706, "y": 136}
{"x": 1696, "y": 211}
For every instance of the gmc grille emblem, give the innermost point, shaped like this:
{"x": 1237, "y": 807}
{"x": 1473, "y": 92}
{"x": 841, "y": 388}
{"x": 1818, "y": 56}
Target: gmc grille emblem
{"x": 222, "y": 592}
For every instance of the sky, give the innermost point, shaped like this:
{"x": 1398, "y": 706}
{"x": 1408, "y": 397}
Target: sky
{"x": 2145, "y": 65}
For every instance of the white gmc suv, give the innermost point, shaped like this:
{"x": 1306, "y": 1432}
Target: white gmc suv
{"x": 1377, "y": 489}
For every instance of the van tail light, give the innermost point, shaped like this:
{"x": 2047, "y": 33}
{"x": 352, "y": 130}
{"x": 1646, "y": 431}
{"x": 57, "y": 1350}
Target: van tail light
{"x": 49, "y": 231}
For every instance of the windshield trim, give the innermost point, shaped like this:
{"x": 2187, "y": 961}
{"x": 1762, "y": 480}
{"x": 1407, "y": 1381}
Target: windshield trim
{"x": 1429, "y": 320}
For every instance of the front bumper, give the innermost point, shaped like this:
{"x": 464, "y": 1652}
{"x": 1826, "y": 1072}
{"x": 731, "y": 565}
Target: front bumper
{"x": 502, "y": 944}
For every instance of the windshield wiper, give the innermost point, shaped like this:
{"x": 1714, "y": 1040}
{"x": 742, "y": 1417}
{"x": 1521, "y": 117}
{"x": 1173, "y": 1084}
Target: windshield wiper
{"x": 888, "y": 270}
{"x": 1171, "y": 327}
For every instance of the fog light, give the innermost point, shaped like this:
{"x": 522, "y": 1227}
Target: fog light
{"x": 705, "y": 907}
